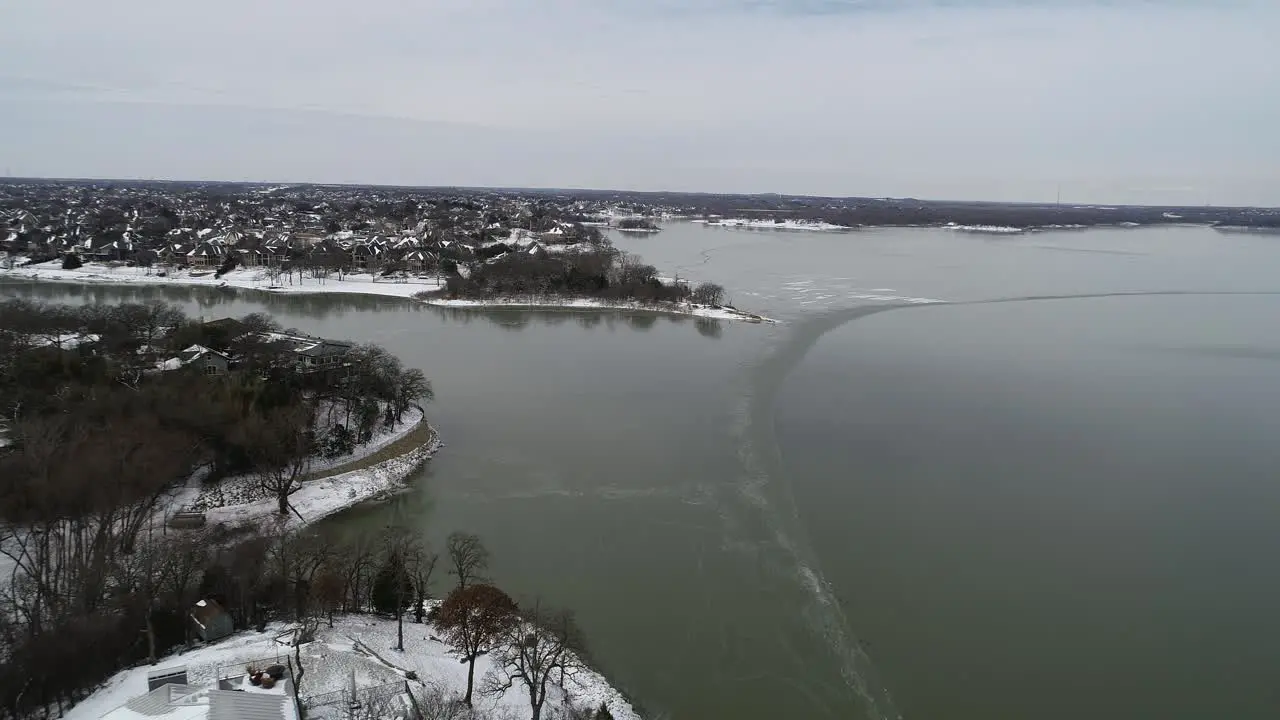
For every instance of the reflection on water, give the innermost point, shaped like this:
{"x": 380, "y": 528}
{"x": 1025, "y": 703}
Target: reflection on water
{"x": 211, "y": 303}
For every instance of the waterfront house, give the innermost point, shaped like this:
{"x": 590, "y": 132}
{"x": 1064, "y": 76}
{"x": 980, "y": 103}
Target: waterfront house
{"x": 237, "y": 695}
{"x": 203, "y": 359}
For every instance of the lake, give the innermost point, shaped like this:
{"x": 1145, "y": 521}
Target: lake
{"x": 1054, "y": 496}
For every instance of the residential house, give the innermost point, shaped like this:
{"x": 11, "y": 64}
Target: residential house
{"x": 258, "y": 696}
{"x": 206, "y": 254}
{"x": 416, "y": 261}
{"x": 321, "y": 356}
{"x": 200, "y": 358}
{"x": 367, "y": 255}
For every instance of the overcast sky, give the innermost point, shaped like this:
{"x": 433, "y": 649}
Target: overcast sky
{"x": 1122, "y": 101}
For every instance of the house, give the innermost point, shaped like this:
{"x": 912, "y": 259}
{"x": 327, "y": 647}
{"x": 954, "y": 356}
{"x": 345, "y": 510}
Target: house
{"x": 201, "y": 358}
{"x": 315, "y": 356}
{"x": 211, "y": 621}
{"x": 418, "y": 260}
{"x": 205, "y": 254}
{"x": 267, "y": 695}
{"x": 366, "y": 255}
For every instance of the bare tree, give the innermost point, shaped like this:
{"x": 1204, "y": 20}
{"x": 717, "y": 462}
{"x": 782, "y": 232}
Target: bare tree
{"x": 411, "y": 386}
{"x": 537, "y": 654}
{"x": 468, "y": 556}
{"x": 423, "y": 568}
{"x": 403, "y": 552}
{"x": 279, "y": 444}
{"x": 329, "y": 591}
{"x": 472, "y": 619}
{"x": 708, "y": 294}
{"x": 303, "y": 634}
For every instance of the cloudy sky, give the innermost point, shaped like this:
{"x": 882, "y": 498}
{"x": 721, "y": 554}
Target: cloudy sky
{"x": 1161, "y": 101}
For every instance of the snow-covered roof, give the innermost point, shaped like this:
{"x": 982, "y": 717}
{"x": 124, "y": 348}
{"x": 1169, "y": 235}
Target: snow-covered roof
{"x": 67, "y": 342}
{"x": 183, "y": 702}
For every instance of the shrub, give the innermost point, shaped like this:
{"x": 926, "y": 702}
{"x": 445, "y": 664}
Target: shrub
{"x": 338, "y": 441}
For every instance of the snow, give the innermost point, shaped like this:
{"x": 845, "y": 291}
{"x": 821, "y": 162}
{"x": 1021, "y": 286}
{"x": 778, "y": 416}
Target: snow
{"x": 382, "y": 437}
{"x": 362, "y": 644}
{"x": 318, "y": 499}
{"x": 256, "y": 279}
{"x": 67, "y": 341}
{"x": 243, "y": 278}
{"x": 986, "y": 229}
{"x": 750, "y": 224}
{"x": 691, "y": 309}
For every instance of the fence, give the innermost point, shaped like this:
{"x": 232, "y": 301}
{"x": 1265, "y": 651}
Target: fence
{"x": 390, "y": 701}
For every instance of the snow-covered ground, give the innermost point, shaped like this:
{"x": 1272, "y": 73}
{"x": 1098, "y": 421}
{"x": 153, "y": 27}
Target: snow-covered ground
{"x": 694, "y": 310}
{"x": 752, "y": 224}
{"x": 245, "y": 489}
{"x": 246, "y": 278}
{"x": 317, "y": 499}
{"x": 256, "y": 279}
{"x": 986, "y": 229}
{"x": 382, "y": 437}
{"x": 363, "y": 644}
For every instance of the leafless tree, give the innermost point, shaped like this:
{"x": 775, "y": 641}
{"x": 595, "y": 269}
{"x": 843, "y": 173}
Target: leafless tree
{"x": 708, "y": 294}
{"x": 185, "y": 558}
{"x": 403, "y": 552}
{"x": 298, "y": 557}
{"x": 423, "y": 568}
{"x": 279, "y": 445}
{"x": 303, "y": 634}
{"x": 537, "y": 654}
{"x": 467, "y": 556}
{"x": 329, "y": 591}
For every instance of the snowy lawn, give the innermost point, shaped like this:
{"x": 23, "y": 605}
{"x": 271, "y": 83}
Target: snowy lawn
{"x": 246, "y": 278}
{"x": 363, "y": 644}
{"x": 363, "y": 284}
{"x": 317, "y": 499}
{"x": 694, "y": 310}
{"x": 749, "y": 224}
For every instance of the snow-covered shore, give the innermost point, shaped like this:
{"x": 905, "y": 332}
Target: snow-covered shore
{"x": 241, "y": 278}
{"x": 986, "y": 229}
{"x": 751, "y": 224}
{"x": 553, "y": 303}
{"x": 362, "y": 644}
{"x": 318, "y": 499}
{"x": 362, "y": 284}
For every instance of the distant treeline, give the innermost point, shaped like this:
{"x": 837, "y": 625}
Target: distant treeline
{"x": 604, "y": 274}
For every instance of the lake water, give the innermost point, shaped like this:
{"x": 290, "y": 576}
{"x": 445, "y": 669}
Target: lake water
{"x": 1055, "y": 496}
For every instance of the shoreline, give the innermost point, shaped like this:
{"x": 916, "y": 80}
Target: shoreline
{"x": 586, "y": 304}
{"x": 353, "y": 284}
{"x": 324, "y": 496}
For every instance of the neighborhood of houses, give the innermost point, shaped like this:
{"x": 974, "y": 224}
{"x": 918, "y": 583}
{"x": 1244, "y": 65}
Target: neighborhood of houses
{"x": 204, "y": 227}
{"x": 309, "y": 356}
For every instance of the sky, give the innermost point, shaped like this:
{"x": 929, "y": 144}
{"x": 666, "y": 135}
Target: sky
{"x": 1120, "y": 101}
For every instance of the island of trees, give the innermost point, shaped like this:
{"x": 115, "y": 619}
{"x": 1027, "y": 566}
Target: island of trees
{"x": 598, "y": 273}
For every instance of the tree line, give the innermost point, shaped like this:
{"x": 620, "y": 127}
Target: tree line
{"x": 599, "y": 273}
